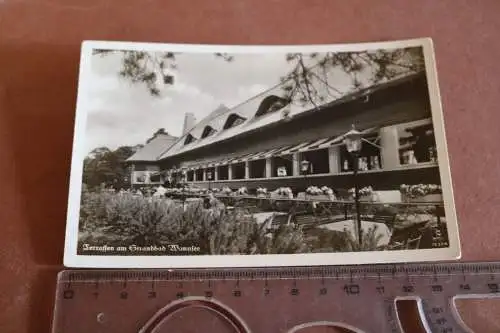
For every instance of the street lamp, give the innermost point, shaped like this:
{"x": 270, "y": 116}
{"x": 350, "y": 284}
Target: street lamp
{"x": 305, "y": 167}
{"x": 353, "y": 142}
{"x": 209, "y": 177}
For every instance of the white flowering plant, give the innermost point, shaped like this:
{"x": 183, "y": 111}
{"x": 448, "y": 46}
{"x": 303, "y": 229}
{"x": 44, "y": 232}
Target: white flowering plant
{"x": 314, "y": 190}
{"x": 242, "y": 191}
{"x": 284, "y": 191}
{"x": 261, "y": 191}
{"x": 226, "y": 190}
{"x": 365, "y": 191}
{"x": 419, "y": 190}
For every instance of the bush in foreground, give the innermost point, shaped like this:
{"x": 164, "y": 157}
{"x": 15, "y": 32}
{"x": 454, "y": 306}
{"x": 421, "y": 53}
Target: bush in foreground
{"x": 124, "y": 219}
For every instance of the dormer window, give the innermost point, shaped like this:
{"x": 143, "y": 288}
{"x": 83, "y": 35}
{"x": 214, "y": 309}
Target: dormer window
{"x": 208, "y": 131}
{"x": 271, "y": 104}
{"x": 234, "y": 120}
{"x": 189, "y": 139}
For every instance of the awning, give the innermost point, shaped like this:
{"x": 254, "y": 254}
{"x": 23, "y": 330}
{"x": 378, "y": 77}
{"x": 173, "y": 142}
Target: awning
{"x": 222, "y": 161}
{"x": 331, "y": 142}
{"x": 295, "y": 148}
{"x": 284, "y": 150}
{"x": 241, "y": 158}
{"x": 253, "y": 156}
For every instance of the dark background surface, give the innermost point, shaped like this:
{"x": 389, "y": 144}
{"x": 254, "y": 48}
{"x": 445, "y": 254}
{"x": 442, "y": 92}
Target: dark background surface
{"x": 39, "y": 54}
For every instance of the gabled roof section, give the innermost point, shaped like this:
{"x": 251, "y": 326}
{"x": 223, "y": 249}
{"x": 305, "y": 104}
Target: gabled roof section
{"x": 255, "y": 111}
{"x": 233, "y": 120}
{"x": 152, "y": 150}
{"x": 207, "y": 131}
{"x": 271, "y": 103}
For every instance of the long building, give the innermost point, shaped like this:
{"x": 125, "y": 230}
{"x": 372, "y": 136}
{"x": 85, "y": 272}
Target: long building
{"x": 262, "y": 142}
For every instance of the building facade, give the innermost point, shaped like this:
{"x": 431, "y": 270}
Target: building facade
{"x": 263, "y": 142}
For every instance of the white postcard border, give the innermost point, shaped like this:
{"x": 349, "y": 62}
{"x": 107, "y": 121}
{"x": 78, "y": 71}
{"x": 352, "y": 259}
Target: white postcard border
{"x": 72, "y": 259}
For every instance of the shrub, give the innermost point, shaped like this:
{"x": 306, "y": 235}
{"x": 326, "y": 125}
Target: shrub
{"x": 127, "y": 219}
{"x": 369, "y": 241}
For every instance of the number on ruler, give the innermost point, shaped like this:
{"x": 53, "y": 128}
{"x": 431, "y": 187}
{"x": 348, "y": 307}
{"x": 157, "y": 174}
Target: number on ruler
{"x": 237, "y": 293}
{"x": 266, "y": 291}
{"x": 408, "y": 289}
{"x": 323, "y": 291}
{"x": 441, "y": 321}
{"x": 493, "y": 287}
{"x": 381, "y": 289}
{"x": 437, "y": 288}
{"x": 351, "y": 289}
{"x": 294, "y": 292}
{"x": 152, "y": 294}
{"x": 179, "y": 295}
{"x": 124, "y": 295}
{"x": 209, "y": 294}
{"x": 465, "y": 286}
{"x": 68, "y": 294}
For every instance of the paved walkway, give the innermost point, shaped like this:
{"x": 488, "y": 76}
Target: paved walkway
{"x": 365, "y": 225}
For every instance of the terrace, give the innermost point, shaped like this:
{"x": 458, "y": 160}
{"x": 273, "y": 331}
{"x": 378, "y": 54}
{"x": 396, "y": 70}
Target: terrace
{"x": 396, "y": 225}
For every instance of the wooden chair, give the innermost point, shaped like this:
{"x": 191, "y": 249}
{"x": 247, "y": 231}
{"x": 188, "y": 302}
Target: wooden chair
{"x": 413, "y": 243}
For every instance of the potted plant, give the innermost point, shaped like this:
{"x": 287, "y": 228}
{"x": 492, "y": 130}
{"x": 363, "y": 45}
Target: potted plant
{"x": 242, "y": 191}
{"x": 365, "y": 193}
{"x": 226, "y": 191}
{"x": 323, "y": 193}
{"x": 283, "y": 192}
{"x": 421, "y": 193}
{"x": 262, "y": 192}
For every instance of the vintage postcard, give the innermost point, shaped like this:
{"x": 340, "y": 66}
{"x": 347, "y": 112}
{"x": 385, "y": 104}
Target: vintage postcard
{"x": 223, "y": 156}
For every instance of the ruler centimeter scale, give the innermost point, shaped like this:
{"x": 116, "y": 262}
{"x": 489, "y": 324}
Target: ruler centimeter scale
{"x": 273, "y": 300}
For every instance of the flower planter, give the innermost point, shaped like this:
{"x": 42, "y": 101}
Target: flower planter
{"x": 437, "y": 197}
{"x": 364, "y": 198}
{"x": 318, "y": 197}
{"x": 262, "y": 195}
{"x": 281, "y": 196}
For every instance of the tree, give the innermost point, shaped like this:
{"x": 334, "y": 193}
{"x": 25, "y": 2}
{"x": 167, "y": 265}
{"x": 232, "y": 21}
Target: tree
{"x": 302, "y": 84}
{"x": 311, "y": 71}
{"x": 155, "y": 134}
{"x": 103, "y": 165}
{"x": 153, "y": 69}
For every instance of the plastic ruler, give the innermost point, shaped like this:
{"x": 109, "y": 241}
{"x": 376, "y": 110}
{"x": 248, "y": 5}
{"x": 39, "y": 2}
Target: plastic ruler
{"x": 300, "y": 299}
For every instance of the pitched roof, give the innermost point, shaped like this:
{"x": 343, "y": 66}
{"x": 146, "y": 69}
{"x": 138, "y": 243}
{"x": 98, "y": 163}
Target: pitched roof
{"x": 248, "y": 109}
{"x": 152, "y": 150}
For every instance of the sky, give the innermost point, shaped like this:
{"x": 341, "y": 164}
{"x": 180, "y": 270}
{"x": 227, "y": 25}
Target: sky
{"x": 122, "y": 113}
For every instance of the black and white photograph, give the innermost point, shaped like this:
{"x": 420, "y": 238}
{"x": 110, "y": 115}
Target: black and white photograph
{"x": 220, "y": 156}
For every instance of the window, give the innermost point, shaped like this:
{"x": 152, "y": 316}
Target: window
{"x": 189, "y": 139}
{"x": 369, "y": 156}
{"x": 139, "y": 167}
{"x": 210, "y": 174}
{"x": 258, "y": 169}
{"x": 146, "y": 167}
{"x": 239, "y": 170}
{"x": 208, "y": 131}
{"x": 199, "y": 174}
{"x": 417, "y": 144}
{"x": 282, "y": 166}
{"x": 155, "y": 177}
{"x": 190, "y": 176}
{"x": 223, "y": 172}
{"x": 141, "y": 177}
{"x": 233, "y": 120}
{"x": 271, "y": 104}
{"x": 318, "y": 159}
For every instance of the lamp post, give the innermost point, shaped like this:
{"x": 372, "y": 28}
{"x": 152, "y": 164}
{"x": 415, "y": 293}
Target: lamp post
{"x": 209, "y": 178}
{"x": 353, "y": 141}
{"x": 305, "y": 167}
